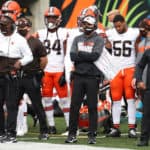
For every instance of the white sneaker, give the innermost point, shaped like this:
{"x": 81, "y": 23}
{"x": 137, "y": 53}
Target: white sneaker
{"x": 78, "y": 132}
{"x": 20, "y": 133}
{"x": 22, "y": 130}
{"x": 65, "y": 133}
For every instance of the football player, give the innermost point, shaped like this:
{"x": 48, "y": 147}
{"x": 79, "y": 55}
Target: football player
{"x": 122, "y": 41}
{"x": 54, "y": 38}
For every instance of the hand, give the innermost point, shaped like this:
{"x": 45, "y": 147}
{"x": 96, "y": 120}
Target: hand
{"x": 17, "y": 65}
{"x": 108, "y": 44}
{"x": 141, "y": 85}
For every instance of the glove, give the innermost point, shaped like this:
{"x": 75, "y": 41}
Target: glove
{"x": 62, "y": 80}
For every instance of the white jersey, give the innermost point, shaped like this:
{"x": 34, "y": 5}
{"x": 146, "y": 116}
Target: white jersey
{"x": 15, "y": 46}
{"x": 55, "y": 53}
{"x": 122, "y": 55}
{"x": 123, "y": 47}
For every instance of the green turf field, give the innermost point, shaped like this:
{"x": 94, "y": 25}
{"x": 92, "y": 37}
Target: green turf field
{"x": 122, "y": 142}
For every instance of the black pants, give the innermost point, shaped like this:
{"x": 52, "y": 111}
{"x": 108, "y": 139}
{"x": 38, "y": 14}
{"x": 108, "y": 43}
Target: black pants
{"x": 83, "y": 86}
{"x": 2, "y": 99}
{"x": 145, "y": 124}
{"x": 31, "y": 86}
{"x": 12, "y": 90}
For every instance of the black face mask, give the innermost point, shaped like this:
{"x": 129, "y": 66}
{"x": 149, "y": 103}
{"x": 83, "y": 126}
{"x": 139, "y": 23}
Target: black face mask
{"x": 23, "y": 32}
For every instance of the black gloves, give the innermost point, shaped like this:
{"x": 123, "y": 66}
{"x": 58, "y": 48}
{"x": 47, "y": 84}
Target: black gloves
{"x": 62, "y": 80}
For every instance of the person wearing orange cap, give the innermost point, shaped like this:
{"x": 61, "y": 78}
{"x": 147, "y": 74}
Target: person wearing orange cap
{"x": 15, "y": 53}
{"x": 11, "y": 7}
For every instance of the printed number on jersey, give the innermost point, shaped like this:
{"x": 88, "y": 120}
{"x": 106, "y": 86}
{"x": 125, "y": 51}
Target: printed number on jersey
{"x": 54, "y": 47}
{"x": 122, "y": 48}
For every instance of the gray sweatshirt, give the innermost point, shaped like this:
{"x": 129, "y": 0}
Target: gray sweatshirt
{"x": 84, "y": 52}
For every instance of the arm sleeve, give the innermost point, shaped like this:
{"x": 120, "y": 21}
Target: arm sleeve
{"x": 74, "y": 55}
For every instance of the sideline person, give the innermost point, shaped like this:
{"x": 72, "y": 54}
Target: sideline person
{"x": 86, "y": 49}
{"x": 15, "y": 53}
{"x": 32, "y": 74}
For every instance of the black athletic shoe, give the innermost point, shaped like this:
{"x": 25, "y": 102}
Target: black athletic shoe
{"x": 114, "y": 133}
{"x": 44, "y": 136}
{"x": 91, "y": 138}
{"x": 9, "y": 139}
{"x": 132, "y": 133}
{"x": 2, "y": 136}
{"x": 52, "y": 130}
{"x": 71, "y": 139}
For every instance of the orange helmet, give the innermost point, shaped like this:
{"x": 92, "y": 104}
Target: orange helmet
{"x": 86, "y": 15}
{"x": 54, "y": 13}
{"x": 95, "y": 10}
{"x": 11, "y": 7}
{"x": 87, "y": 12}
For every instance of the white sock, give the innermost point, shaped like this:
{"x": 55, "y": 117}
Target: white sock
{"x": 20, "y": 119}
{"x": 20, "y": 114}
{"x": 131, "y": 111}
{"x": 65, "y": 105}
{"x": 116, "y": 112}
{"x": 49, "y": 110}
{"x": 25, "y": 125}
